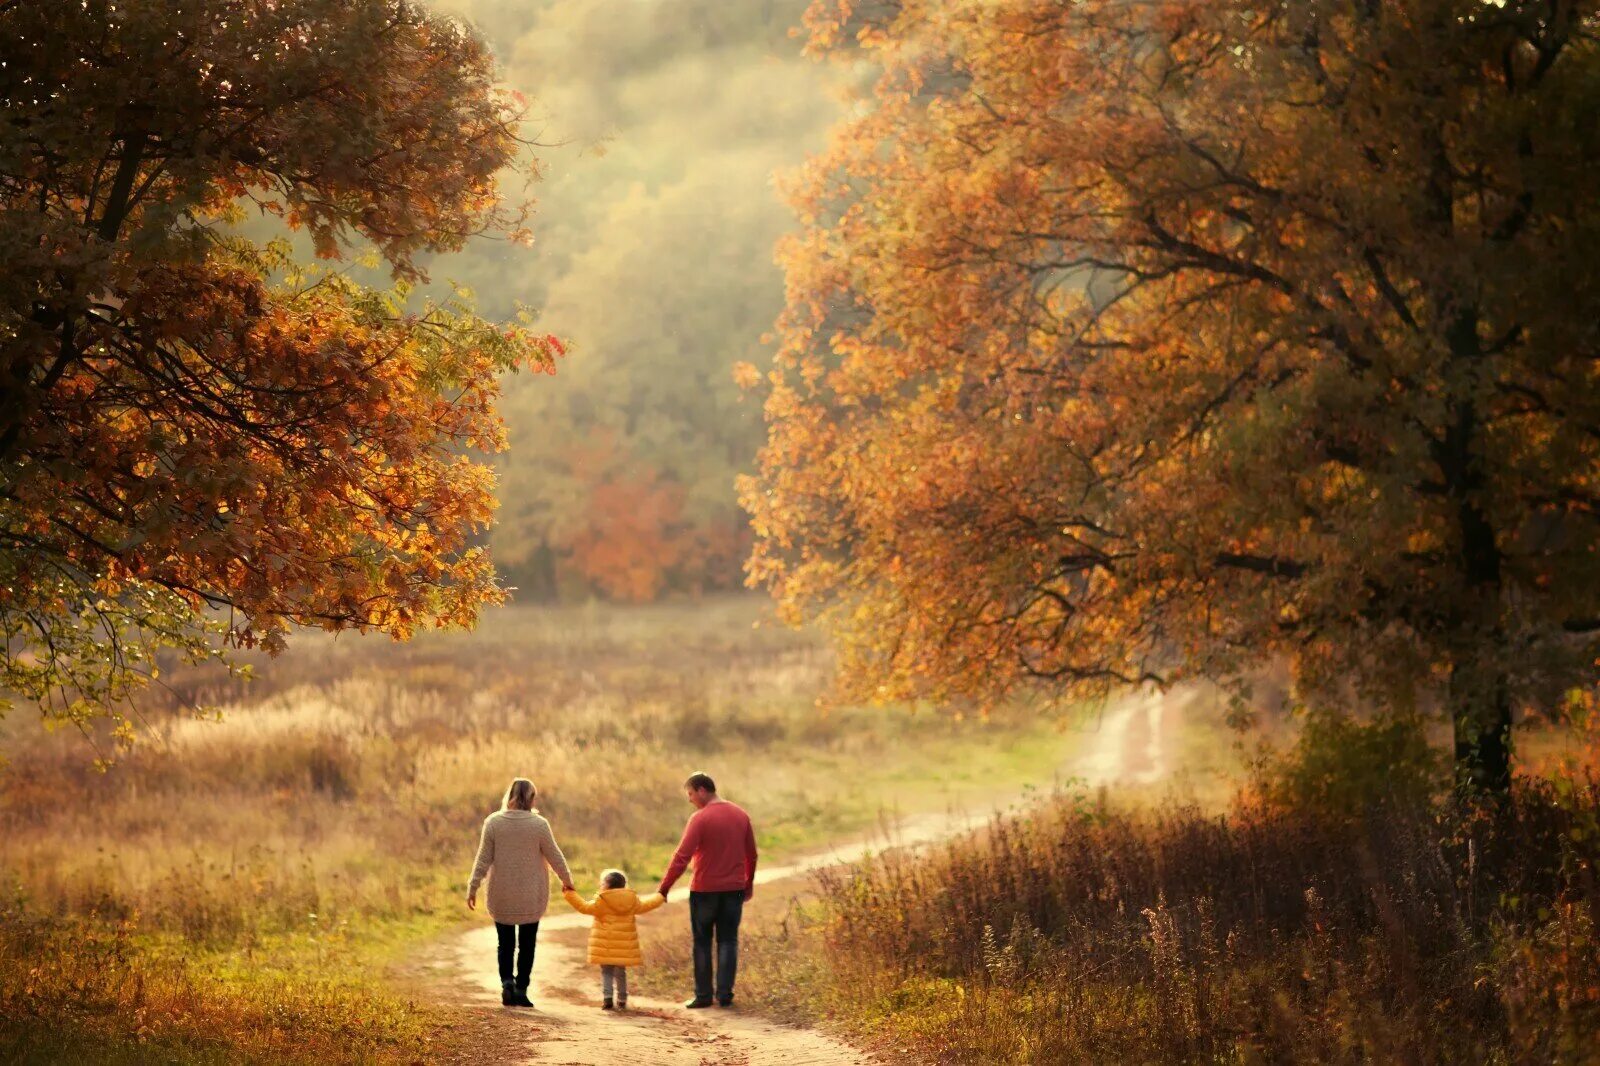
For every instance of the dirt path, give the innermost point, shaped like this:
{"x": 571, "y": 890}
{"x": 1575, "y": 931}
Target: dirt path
{"x": 568, "y": 1029}
{"x": 1130, "y": 745}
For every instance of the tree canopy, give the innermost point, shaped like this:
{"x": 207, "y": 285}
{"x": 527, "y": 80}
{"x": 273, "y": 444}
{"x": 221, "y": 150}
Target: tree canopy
{"x": 1147, "y": 341}
{"x": 197, "y": 436}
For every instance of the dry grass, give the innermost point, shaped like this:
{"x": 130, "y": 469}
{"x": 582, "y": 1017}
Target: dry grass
{"x": 328, "y": 821}
{"x": 1277, "y": 931}
{"x": 82, "y": 991}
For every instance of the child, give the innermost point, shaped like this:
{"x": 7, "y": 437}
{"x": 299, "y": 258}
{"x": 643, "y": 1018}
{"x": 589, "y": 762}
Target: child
{"x": 614, "y": 938}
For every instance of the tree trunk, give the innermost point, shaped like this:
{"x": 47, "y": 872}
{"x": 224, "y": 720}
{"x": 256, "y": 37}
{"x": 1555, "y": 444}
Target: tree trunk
{"x": 1479, "y": 690}
{"x": 1480, "y": 710}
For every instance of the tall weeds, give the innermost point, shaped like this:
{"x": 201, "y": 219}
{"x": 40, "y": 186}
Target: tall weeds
{"x": 1267, "y": 934}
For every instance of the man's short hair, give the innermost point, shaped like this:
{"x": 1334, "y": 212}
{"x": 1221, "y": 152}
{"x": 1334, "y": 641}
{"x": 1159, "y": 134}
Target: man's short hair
{"x": 701, "y": 780}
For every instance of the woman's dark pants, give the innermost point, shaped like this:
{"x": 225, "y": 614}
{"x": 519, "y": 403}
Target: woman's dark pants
{"x": 716, "y": 914}
{"x": 517, "y": 940}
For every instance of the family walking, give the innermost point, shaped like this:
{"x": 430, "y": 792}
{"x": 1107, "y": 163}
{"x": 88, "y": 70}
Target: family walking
{"x": 518, "y": 847}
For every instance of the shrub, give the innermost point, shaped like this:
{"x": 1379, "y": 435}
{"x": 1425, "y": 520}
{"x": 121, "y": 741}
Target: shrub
{"x": 1341, "y": 766}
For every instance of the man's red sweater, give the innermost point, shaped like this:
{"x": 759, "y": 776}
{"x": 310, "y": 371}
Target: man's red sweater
{"x": 722, "y": 843}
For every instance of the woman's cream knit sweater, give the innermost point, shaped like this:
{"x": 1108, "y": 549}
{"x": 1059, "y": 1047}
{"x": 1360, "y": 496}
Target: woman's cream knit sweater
{"x": 517, "y": 845}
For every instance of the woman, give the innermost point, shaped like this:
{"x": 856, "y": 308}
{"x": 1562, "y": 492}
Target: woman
{"x": 518, "y": 845}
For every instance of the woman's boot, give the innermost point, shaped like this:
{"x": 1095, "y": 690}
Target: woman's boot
{"x": 522, "y": 994}
{"x": 508, "y": 994}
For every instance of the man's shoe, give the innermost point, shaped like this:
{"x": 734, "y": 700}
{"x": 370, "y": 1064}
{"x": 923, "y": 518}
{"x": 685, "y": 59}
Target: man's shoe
{"x": 725, "y": 1002}
{"x": 622, "y": 1004}
{"x": 696, "y": 1003}
{"x": 606, "y": 1004}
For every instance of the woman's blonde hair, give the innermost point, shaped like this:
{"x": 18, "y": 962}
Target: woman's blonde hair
{"x": 519, "y": 797}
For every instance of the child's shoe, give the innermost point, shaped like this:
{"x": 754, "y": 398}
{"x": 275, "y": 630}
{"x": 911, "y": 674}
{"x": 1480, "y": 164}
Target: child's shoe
{"x": 607, "y": 1005}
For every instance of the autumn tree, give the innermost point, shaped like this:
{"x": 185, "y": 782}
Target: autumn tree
{"x": 197, "y": 437}
{"x": 1145, "y": 341}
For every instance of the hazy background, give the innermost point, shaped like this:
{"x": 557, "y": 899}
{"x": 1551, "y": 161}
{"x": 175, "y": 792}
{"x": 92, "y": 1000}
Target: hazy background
{"x": 664, "y": 123}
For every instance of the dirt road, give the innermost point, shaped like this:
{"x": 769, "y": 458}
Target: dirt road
{"x": 566, "y": 1029}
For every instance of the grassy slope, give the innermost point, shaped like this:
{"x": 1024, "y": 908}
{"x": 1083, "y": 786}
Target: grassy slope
{"x": 236, "y": 891}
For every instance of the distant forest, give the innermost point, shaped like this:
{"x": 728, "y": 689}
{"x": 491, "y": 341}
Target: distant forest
{"x": 655, "y": 225}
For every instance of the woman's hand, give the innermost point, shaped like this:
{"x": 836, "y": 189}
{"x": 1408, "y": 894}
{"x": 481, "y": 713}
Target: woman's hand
{"x": 472, "y": 901}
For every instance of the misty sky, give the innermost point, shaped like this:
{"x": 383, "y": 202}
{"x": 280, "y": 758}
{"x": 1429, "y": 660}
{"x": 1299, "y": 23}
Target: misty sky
{"x": 643, "y": 104}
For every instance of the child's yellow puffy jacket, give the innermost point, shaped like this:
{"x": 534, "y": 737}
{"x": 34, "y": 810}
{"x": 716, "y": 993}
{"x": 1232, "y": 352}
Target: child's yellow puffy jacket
{"x": 614, "y": 938}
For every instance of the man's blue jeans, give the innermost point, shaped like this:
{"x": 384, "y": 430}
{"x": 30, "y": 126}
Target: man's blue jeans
{"x": 716, "y": 915}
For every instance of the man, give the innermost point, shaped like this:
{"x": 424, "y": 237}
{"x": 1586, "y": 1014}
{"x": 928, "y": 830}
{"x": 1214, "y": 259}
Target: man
{"x": 722, "y": 844}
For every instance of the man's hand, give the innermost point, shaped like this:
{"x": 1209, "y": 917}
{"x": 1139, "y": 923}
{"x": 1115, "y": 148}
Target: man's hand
{"x": 472, "y": 900}
{"x": 566, "y": 886}
{"x": 749, "y": 890}
{"x": 663, "y": 890}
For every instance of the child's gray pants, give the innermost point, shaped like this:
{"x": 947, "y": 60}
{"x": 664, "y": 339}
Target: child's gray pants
{"x": 617, "y": 974}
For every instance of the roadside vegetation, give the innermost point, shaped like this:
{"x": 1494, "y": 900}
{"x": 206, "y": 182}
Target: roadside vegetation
{"x": 1341, "y": 909}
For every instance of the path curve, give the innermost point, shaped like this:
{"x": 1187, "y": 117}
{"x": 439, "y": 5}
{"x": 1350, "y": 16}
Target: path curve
{"x": 567, "y": 1029}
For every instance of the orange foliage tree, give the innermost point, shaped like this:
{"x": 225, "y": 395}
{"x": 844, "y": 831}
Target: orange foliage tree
{"x": 1142, "y": 341}
{"x": 197, "y": 437}
{"x": 622, "y": 527}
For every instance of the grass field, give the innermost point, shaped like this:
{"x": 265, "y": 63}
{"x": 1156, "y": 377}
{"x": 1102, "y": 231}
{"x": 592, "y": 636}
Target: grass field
{"x": 244, "y": 890}
{"x": 240, "y": 890}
